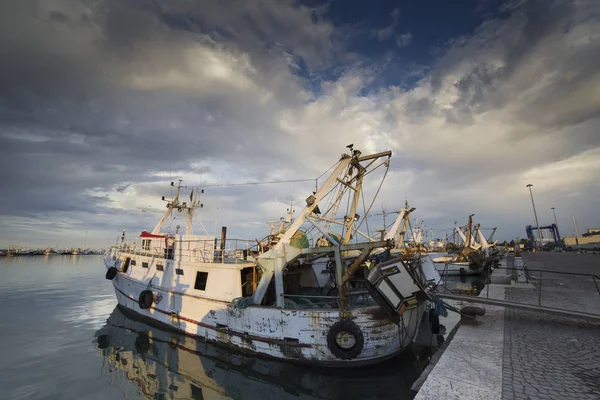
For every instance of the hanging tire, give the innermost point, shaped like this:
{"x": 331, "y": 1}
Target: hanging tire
{"x": 146, "y": 299}
{"x": 345, "y": 340}
{"x": 111, "y": 273}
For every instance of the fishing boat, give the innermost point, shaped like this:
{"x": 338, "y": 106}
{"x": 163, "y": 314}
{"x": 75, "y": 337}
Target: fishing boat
{"x": 304, "y": 293}
{"x": 11, "y": 251}
{"x": 470, "y": 258}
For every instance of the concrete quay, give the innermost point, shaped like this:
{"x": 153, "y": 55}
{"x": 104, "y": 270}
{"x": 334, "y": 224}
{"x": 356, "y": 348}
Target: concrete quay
{"x": 514, "y": 354}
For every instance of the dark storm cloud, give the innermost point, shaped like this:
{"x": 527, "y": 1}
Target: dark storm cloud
{"x": 74, "y": 123}
{"x": 504, "y": 49}
{"x": 61, "y": 82}
{"x": 112, "y": 96}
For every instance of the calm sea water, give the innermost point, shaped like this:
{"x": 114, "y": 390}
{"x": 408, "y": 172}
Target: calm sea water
{"x": 63, "y": 338}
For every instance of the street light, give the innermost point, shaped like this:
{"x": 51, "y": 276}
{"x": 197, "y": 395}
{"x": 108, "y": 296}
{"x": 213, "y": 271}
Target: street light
{"x": 536, "y": 218}
{"x": 555, "y": 222}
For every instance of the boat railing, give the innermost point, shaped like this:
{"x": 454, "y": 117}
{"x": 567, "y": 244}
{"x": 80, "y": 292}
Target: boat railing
{"x": 133, "y": 247}
{"x": 230, "y": 251}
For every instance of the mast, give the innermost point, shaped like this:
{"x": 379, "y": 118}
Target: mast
{"x": 175, "y": 204}
{"x": 353, "y": 217}
{"x": 485, "y": 245}
{"x": 489, "y": 239}
{"x": 170, "y": 206}
{"x": 274, "y": 261}
{"x": 194, "y": 203}
{"x": 400, "y": 224}
{"x": 469, "y": 233}
{"x": 467, "y": 237}
{"x": 474, "y": 243}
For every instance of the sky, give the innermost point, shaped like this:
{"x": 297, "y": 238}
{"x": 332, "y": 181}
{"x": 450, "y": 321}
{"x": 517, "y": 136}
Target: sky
{"x": 104, "y": 102}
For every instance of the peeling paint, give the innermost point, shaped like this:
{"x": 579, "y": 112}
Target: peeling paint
{"x": 296, "y": 335}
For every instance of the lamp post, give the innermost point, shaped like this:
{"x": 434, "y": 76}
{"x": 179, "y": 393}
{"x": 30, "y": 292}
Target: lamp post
{"x": 536, "y": 218}
{"x": 555, "y": 222}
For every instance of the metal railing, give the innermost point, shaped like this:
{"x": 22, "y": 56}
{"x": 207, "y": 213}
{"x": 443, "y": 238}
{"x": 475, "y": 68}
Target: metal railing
{"x": 539, "y": 280}
{"x": 134, "y": 248}
{"x": 573, "y": 294}
{"x": 232, "y": 251}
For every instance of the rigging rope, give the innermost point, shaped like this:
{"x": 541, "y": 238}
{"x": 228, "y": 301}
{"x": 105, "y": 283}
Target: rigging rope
{"x": 376, "y": 193}
{"x": 250, "y": 183}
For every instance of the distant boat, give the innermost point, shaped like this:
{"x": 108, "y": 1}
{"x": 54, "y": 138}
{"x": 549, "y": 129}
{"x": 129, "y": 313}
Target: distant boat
{"x": 11, "y": 251}
{"x": 23, "y": 252}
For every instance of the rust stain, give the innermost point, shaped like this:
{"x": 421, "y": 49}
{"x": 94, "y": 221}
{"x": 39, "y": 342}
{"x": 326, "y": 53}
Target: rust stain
{"x": 377, "y": 314}
{"x": 249, "y": 343}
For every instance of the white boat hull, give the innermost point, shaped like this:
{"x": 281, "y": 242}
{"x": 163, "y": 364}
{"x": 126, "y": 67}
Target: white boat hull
{"x": 298, "y": 335}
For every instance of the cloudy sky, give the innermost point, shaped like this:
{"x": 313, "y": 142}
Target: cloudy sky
{"x": 103, "y": 102}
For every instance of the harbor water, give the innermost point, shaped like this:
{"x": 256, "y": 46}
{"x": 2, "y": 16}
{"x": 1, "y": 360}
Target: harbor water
{"x": 64, "y": 338}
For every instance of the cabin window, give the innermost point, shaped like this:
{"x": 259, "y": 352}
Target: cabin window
{"x": 145, "y": 244}
{"x": 201, "y": 278}
{"x": 160, "y": 267}
{"x": 144, "y": 265}
{"x": 179, "y": 271}
{"x": 132, "y": 263}
{"x": 196, "y": 392}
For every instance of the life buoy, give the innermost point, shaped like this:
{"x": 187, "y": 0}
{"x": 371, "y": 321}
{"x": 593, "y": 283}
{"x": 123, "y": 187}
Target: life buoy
{"x": 111, "y": 273}
{"x": 169, "y": 242}
{"x": 345, "y": 339}
{"x": 146, "y": 299}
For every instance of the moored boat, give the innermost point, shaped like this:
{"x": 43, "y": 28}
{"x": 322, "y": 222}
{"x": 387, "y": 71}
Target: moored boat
{"x": 300, "y": 294}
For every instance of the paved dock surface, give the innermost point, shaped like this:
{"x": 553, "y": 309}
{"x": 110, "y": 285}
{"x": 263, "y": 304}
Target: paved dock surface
{"x": 514, "y": 354}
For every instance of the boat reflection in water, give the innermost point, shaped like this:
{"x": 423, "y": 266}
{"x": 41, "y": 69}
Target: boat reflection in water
{"x": 169, "y": 365}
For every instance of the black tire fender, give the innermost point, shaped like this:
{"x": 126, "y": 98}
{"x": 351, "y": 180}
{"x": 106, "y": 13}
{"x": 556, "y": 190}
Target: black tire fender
{"x": 111, "y": 273}
{"x": 146, "y": 299}
{"x": 347, "y": 327}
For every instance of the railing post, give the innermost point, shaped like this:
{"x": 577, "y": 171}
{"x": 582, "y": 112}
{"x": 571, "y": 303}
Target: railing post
{"x": 541, "y": 282}
{"x": 594, "y": 278}
{"x": 489, "y": 280}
